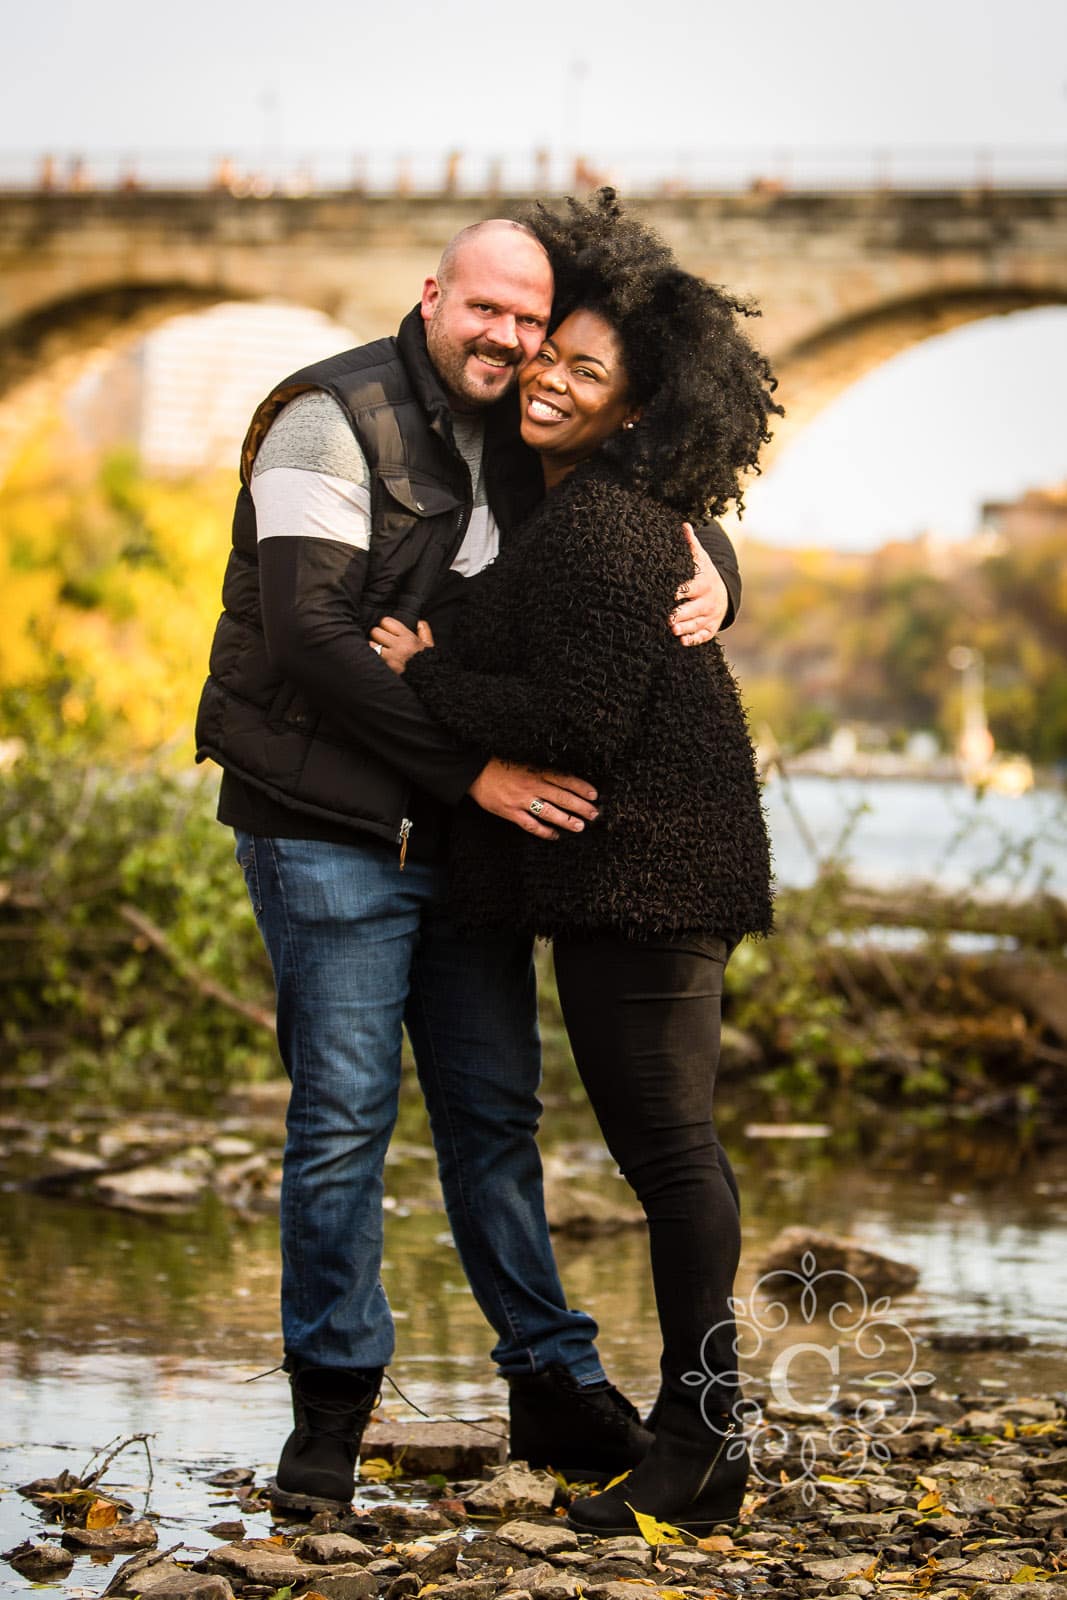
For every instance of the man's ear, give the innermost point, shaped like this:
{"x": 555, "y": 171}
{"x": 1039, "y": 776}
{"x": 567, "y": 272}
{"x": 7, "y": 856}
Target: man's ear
{"x": 431, "y": 298}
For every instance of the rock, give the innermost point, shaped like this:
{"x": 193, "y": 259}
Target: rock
{"x": 967, "y": 1487}
{"x": 532, "y": 1578}
{"x": 335, "y": 1548}
{"x": 878, "y": 1274}
{"x": 387, "y": 1567}
{"x": 513, "y": 1489}
{"x": 400, "y": 1518}
{"x": 260, "y": 1561}
{"x": 968, "y": 1342}
{"x": 227, "y": 1530}
{"x": 403, "y": 1586}
{"x": 440, "y": 1558}
{"x": 123, "y": 1536}
{"x": 980, "y": 1422}
{"x": 232, "y": 1478}
{"x": 994, "y": 1565}
{"x": 583, "y": 1213}
{"x": 561, "y": 1586}
{"x": 540, "y": 1538}
{"x": 467, "y": 1589}
{"x": 628, "y": 1547}
{"x": 838, "y": 1567}
{"x": 1020, "y": 1591}
{"x": 39, "y": 1562}
{"x": 151, "y": 1189}
{"x": 619, "y": 1590}
{"x": 354, "y": 1583}
{"x": 143, "y": 1578}
{"x": 1032, "y": 1410}
{"x": 789, "y": 1505}
{"x": 181, "y": 1585}
{"x": 427, "y": 1448}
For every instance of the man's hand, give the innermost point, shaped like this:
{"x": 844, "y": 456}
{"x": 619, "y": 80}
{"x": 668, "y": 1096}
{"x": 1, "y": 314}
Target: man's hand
{"x": 561, "y": 801}
{"x": 396, "y": 644}
{"x": 705, "y": 597}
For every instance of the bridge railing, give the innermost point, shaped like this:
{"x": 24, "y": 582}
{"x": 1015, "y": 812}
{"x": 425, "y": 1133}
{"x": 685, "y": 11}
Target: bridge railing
{"x": 268, "y": 172}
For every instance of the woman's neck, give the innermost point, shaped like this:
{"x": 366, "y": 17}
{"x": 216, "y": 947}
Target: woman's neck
{"x": 556, "y": 471}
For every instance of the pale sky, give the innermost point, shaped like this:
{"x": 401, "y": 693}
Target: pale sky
{"x": 977, "y": 413}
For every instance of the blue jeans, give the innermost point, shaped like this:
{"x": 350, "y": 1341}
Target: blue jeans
{"x": 359, "y": 950}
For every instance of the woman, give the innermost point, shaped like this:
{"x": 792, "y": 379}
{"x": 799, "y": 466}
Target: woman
{"x": 646, "y": 400}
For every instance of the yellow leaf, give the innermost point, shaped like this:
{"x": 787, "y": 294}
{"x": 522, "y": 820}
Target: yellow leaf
{"x": 674, "y": 1594}
{"x": 927, "y": 1483}
{"x": 871, "y": 1571}
{"x": 1029, "y": 1575}
{"x": 930, "y": 1502}
{"x": 102, "y": 1514}
{"x": 716, "y": 1541}
{"x": 1009, "y": 1429}
{"x": 620, "y": 1479}
{"x": 378, "y": 1470}
{"x": 1030, "y": 1430}
{"x": 654, "y": 1532}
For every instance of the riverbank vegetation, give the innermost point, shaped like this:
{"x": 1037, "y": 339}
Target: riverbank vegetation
{"x": 130, "y": 967}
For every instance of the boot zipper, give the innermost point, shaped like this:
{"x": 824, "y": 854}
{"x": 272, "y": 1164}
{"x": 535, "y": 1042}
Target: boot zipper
{"x": 402, "y": 840}
{"x": 727, "y": 1436}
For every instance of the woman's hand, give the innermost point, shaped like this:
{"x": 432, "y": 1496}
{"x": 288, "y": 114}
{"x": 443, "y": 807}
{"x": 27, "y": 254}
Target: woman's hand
{"x": 703, "y": 600}
{"x": 396, "y": 644}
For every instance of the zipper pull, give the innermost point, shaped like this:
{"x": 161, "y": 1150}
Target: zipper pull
{"x": 402, "y": 838}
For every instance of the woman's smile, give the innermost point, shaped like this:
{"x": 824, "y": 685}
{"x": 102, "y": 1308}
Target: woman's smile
{"x": 575, "y": 392}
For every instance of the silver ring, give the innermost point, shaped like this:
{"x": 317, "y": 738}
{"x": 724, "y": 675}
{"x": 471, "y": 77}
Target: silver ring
{"x": 377, "y": 649}
{"x": 536, "y": 807}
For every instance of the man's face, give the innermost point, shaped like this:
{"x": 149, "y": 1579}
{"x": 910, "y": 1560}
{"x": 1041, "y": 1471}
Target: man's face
{"x": 489, "y": 316}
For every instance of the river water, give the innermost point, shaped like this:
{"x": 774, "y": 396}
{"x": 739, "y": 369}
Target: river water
{"x": 900, "y": 831}
{"x": 112, "y": 1323}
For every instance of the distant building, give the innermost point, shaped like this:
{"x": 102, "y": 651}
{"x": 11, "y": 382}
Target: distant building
{"x": 183, "y": 395}
{"x": 1037, "y": 514}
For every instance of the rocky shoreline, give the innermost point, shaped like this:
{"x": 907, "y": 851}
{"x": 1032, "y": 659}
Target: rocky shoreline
{"x": 964, "y": 1498}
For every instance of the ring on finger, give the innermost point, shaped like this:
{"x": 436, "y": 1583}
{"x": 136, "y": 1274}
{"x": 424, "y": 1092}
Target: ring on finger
{"x": 536, "y": 807}
{"x": 377, "y": 649}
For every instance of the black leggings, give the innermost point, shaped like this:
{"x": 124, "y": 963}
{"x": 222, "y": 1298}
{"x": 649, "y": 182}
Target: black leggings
{"x": 644, "y": 1022}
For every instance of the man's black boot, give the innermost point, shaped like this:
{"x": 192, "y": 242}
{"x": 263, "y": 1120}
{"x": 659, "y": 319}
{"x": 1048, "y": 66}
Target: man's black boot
{"x": 331, "y": 1408}
{"x": 693, "y": 1477}
{"x": 584, "y": 1433}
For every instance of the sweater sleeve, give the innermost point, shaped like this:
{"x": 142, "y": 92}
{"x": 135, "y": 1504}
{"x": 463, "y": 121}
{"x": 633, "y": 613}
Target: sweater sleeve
{"x": 594, "y": 625}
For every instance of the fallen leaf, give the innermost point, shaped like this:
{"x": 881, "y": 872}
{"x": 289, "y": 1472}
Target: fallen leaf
{"x": 102, "y": 1514}
{"x": 927, "y": 1483}
{"x": 872, "y": 1571}
{"x": 930, "y": 1502}
{"x": 378, "y": 1470}
{"x": 1009, "y": 1429}
{"x": 1031, "y": 1430}
{"x": 654, "y": 1532}
{"x": 716, "y": 1541}
{"x": 1030, "y": 1575}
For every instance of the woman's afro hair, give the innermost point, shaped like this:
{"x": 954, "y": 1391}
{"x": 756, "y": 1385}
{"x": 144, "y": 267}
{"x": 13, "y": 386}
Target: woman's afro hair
{"x": 704, "y": 390}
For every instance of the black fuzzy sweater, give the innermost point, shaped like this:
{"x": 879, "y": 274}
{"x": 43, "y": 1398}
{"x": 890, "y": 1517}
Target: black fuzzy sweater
{"x": 564, "y": 659}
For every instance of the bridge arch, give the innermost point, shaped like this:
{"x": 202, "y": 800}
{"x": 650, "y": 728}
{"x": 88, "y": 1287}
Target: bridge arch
{"x": 829, "y": 360}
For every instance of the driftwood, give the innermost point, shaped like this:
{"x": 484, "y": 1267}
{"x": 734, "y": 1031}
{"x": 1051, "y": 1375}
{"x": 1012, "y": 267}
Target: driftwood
{"x": 203, "y": 985}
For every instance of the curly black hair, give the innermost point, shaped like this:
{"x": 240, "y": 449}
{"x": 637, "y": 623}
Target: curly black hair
{"x": 705, "y": 391}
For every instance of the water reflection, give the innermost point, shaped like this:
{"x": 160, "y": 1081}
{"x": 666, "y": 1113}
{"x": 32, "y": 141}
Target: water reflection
{"x": 112, "y": 1323}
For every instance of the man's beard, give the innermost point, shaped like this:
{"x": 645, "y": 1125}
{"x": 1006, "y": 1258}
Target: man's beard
{"x": 451, "y": 361}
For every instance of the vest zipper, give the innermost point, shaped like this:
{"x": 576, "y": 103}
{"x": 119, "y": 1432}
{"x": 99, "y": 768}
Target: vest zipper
{"x": 402, "y": 840}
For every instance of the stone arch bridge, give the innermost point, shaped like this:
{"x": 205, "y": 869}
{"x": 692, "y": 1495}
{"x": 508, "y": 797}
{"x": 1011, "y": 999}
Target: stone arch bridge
{"x": 845, "y": 279}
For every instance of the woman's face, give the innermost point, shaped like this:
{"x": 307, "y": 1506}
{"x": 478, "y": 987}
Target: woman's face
{"x": 574, "y": 391}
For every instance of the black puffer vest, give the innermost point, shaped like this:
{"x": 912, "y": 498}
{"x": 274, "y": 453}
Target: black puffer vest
{"x": 250, "y": 720}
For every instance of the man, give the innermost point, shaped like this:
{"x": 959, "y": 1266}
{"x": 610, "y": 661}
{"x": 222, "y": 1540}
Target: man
{"x": 376, "y": 482}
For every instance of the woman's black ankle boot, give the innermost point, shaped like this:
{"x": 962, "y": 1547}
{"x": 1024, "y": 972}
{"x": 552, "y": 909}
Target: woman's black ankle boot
{"x": 693, "y": 1477}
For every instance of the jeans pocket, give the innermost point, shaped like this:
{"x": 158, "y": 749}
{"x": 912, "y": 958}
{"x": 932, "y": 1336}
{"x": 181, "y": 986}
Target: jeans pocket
{"x": 246, "y": 859}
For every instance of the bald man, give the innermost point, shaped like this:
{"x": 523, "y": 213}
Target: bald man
{"x": 378, "y": 482}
